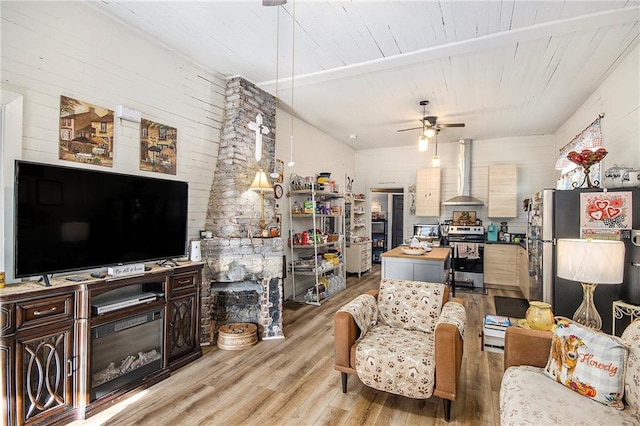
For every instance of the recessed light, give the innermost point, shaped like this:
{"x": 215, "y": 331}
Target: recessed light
{"x": 352, "y": 136}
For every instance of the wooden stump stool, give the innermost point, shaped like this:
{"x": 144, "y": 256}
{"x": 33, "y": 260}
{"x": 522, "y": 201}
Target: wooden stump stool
{"x": 237, "y": 336}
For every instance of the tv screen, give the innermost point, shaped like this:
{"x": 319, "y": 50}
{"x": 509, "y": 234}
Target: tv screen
{"x": 69, "y": 219}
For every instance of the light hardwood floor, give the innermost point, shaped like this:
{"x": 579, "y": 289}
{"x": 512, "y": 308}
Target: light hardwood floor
{"x": 291, "y": 381}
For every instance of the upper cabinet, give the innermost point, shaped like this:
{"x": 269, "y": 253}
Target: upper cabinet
{"x": 503, "y": 191}
{"x": 428, "y": 192}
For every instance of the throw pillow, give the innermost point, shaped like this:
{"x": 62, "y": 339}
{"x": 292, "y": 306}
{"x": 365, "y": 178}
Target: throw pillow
{"x": 589, "y": 362}
{"x": 412, "y": 305}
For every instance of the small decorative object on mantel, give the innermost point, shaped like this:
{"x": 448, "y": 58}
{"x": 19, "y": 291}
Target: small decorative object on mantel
{"x": 587, "y": 159}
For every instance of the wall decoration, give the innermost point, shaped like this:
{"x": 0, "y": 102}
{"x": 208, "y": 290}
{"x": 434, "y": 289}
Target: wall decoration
{"x": 464, "y": 218}
{"x": 278, "y": 169}
{"x": 86, "y": 132}
{"x": 601, "y": 210}
{"x": 158, "y": 147}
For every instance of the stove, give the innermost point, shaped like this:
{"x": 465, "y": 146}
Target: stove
{"x": 467, "y": 246}
{"x": 466, "y": 233}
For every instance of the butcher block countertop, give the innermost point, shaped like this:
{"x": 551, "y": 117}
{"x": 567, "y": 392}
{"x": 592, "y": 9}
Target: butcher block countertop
{"x": 439, "y": 254}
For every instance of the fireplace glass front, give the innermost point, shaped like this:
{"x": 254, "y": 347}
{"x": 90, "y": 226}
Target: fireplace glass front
{"x": 125, "y": 350}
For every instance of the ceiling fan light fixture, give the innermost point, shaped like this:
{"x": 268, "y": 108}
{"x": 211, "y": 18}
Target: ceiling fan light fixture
{"x": 423, "y": 144}
{"x": 430, "y": 132}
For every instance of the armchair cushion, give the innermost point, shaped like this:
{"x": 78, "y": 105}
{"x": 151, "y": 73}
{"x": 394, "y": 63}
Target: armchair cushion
{"x": 589, "y": 362}
{"x": 364, "y": 310}
{"x": 631, "y": 336}
{"x": 528, "y": 397}
{"x": 397, "y": 360}
{"x": 411, "y": 305}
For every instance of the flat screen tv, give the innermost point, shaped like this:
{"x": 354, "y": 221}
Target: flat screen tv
{"x": 70, "y": 219}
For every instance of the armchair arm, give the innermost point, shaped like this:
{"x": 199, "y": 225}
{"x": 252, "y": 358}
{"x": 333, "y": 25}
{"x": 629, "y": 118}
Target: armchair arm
{"x": 449, "y": 347}
{"x": 346, "y": 333}
{"x": 523, "y": 346}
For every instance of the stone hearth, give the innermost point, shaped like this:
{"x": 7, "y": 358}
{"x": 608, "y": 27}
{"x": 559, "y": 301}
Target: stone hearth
{"x": 236, "y": 257}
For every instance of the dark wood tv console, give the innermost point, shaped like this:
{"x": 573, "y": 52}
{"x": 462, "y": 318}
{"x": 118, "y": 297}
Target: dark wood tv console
{"x": 54, "y": 365}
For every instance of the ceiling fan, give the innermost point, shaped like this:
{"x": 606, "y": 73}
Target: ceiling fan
{"x": 431, "y": 121}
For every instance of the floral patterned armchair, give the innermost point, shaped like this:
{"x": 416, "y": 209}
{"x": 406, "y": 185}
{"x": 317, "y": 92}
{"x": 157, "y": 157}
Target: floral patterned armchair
{"x": 388, "y": 338}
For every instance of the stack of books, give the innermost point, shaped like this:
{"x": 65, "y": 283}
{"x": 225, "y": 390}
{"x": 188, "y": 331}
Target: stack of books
{"x": 493, "y": 331}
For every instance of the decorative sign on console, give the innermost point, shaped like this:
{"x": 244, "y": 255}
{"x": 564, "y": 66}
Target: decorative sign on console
{"x": 123, "y": 270}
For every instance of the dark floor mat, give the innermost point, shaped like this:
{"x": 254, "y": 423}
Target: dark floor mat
{"x": 511, "y": 306}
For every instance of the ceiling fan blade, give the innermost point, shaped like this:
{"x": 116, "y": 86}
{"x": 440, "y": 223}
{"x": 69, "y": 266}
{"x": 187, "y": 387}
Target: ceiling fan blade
{"x": 451, "y": 125}
{"x": 413, "y": 128}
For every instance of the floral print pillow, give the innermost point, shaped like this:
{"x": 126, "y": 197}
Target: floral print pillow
{"x": 412, "y": 305}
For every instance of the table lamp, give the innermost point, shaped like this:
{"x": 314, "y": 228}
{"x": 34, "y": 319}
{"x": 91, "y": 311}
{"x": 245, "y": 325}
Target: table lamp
{"x": 590, "y": 262}
{"x": 261, "y": 183}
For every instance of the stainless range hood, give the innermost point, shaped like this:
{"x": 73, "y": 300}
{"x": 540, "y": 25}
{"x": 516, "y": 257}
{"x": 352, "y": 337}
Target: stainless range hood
{"x": 464, "y": 178}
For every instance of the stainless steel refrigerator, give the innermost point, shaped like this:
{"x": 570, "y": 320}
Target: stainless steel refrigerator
{"x": 540, "y": 247}
{"x": 556, "y": 214}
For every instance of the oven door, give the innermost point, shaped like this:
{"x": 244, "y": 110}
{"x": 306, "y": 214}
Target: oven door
{"x": 471, "y": 264}
{"x": 469, "y": 270}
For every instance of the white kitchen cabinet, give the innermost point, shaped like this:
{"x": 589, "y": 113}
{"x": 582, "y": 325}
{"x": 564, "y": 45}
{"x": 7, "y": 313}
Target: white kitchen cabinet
{"x": 428, "y": 192}
{"x": 359, "y": 258}
{"x": 503, "y": 191}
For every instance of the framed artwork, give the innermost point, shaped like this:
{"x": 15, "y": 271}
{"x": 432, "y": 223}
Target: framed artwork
{"x": 158, "y": 147}
{"x": 86, "y": 132}
{"x": 464, "y": 217}
{"x": 279, "y": 169}
{"x": 606, "y": 210}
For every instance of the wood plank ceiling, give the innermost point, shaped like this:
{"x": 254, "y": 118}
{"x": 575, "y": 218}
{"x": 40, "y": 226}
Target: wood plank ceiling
{"x": 504, "y": 68}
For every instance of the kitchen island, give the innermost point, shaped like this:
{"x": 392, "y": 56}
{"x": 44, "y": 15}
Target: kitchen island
{"x": 429, "y": 267}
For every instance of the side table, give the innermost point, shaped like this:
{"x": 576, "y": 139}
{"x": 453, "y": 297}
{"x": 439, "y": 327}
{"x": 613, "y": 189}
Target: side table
{"x": 622, "y": 309}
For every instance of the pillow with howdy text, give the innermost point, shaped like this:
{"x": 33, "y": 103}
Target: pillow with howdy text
{"x": 589, "y": 362}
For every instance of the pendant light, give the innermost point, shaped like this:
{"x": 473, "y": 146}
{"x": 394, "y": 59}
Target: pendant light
{"x": 435, "y": 162}
{"x": 293, "y": 62}
{"x": 423, "y": 142}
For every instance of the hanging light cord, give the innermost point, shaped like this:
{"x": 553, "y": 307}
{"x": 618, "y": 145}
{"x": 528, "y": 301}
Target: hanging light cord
{"x": 293, "y": 73}
{"x": 274, "y": 173}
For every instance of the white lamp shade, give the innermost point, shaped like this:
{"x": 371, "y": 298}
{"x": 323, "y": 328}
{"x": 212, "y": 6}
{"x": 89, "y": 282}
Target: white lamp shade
{"x": 591, "y": 261}
{"x": 261, "y": 182}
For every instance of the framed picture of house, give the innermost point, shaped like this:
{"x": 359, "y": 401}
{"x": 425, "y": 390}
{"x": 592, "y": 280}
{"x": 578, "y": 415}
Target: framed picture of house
{"x": 464, "y": 218}
{"x": 158, "y": 147}
{"x": 86, "y": 132}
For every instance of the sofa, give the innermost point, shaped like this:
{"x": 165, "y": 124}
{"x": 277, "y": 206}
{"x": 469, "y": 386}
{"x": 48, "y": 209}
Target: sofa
{"x": 529, "y": 396}
{"x": 404, "y": 338}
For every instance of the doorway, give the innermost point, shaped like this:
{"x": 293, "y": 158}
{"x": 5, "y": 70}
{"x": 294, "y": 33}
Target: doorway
{"x": 387, "y": 206}
{"x": 397, "y": 213}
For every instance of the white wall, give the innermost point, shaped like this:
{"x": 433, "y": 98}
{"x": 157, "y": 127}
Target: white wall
{"x": 68, "y": 48}
{"x": 388, "y": 168}
{"x": 11, "y": 105}
{"x": 618, "y": 97}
